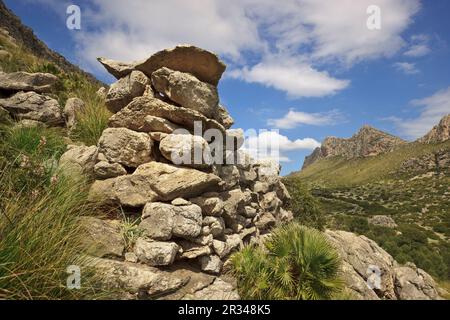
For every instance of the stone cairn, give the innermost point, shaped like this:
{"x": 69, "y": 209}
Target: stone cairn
{"x": 192, "y": 214}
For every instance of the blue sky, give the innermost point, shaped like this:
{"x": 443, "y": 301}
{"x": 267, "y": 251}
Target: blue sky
{"x": 308, "y": 68}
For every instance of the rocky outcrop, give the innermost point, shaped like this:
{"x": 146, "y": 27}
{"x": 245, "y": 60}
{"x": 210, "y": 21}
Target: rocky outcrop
{"x": 439, "y": 133}
{"x": 24, "y": 81}
{"x": 371, "y": 273}
{"x": 196, "y": 211}
{"x": 435, "y": 163}
{"x": 366, "y": 143}
{"x": 33, "y": 106}
{"x": 382, "y": 221}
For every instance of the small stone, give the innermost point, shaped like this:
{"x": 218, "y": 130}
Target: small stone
{"x": 131, "y": 257}
{"x": 106, "y": 170}
{"x": 180, "y": 202}
{"x": 156, "y": 253}
{"x": 211, "y": 264}
{"x": 216, "y": 225}
{"x": 122, "y": 92}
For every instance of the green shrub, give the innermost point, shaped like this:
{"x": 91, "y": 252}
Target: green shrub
{"x": 298, "y": 264}
{"x": 359, "y": 225}
{"x": 304, "y": 205}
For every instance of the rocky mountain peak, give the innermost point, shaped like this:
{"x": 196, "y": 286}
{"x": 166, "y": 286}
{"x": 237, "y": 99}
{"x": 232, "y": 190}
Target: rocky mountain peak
{"x": 368, "y": 141}
{"x": 439, "y": 133}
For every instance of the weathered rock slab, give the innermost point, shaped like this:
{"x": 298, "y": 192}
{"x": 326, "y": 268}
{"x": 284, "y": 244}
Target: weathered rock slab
{"x": 126, "y": 147}
{"x": 33, "y": 106}
{"x": 186, "y": 90}
{"x": 24, "y": 81}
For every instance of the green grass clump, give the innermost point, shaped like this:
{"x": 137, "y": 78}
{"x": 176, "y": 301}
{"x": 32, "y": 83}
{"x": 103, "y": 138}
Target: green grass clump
{"x": 28, "y": 155}
{"x": 297, "y": 264}
{"x": 40, "y": 235}
{"x": 93, "y": 119}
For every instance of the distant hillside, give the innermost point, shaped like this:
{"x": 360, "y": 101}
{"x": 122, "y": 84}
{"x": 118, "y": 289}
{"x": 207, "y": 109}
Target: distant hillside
{"x": 400, "y": 199}
{"x": 26, "y": 37}
{"x": 340, "y": 171}
{"x": 367, "y": 142}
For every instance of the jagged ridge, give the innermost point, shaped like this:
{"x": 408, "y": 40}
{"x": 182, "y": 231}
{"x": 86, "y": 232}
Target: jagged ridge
{"x": 367, "y": 142}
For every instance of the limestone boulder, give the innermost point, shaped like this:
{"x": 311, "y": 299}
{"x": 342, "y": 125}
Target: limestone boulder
{"x": 186, "y": 90}
{"x": 230, "y": 175}
{"x": 218, "y": 290}
{"x": 171, "y": 182}
{"x": 211, "y": 264}
{"x": 202, "y": 64}
{"x": 191, "y": 250}
{"x": 412, "y": 283}
{"x": 122, "y": 92}
{"x": 223, "y": 117}
{"x": 211, "y": 204}
{"x": 155, "y": 253}
{"x": 265, "y": 221}
{"x": 214, "y": 226}
{"x": 157, "y": 124}
{"x": 103, "y": 237}
{"x": 187, "y": 150}
{"x": 116, "y": 68}
{"x": 153, "y": 181}
{"x": 79, "y": 159}
{"x": 162, "y": 221}
{"x": 137, "y": 279}
{"x": 24, "y": 81}
{"x": 371, "y": 273}
{"x": 234, "y": 202}
{"x": 128, "y": 191}
{"x": 134, "y": 114}
{"x": 105, "y": 170}
{"x": 383, "y": 221}
{"x": 33, "y": 106}
{"x": 126, "y": 147}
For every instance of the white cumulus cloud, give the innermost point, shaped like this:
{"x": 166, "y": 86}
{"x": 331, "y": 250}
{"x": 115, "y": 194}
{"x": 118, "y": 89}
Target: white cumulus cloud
{"x": 272, "y": 144}
{"x": 302, "y": 35}
{"x": 419, "y": 46}
{"x": 406, "y": 67}
{"x": 297, "y": 79}
{"x": 294, "y": 118}
{"x": 432, "y": 109}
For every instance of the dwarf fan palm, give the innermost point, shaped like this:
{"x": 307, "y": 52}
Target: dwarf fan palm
{"x": 297, "y": 263}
